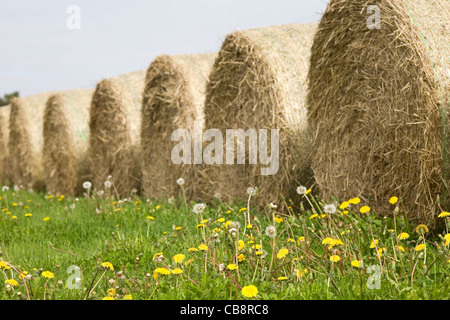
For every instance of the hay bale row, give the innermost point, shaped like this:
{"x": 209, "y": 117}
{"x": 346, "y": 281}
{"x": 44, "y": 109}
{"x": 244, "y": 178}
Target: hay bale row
{"x": 258, "y": 82}
{"x": 173, "y": 99}
{"x": 66, "y": 137}
{"x": 4, "y": 134}
{"x": 379, "y": 104}
{"x": 115, "y": 121}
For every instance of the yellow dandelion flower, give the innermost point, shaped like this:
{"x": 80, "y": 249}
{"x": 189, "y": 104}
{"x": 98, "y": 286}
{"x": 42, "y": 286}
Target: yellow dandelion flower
{"x": 327, "y": 240}
{"x": 232, "y": 266}
{"x": 393, "y": 200}
{"x": 46, "y": 219}
{"x": 259, "y": 253}
{"x": 241, "y": 245}
{"x": 228, "y": 211}
{"x": 308, "y": 191}
{"x": 108, "y": 298}
{"x": 403, "y": 236}
{"x": 28, "y": 215}
{"x": 108, "y": 265}
{"x": 381, "y": 250}
{"x": 281, "y": 278}
{"x": 313, "y": 216}
{"x": 400, "y": 248}
{"x": 356, "y": 263}
{"x": 227, "y": 224}
{"x": 420, "y": 247}
{"x": 178, "y": 228}
{"x": 364, "y": 209}
{"x": 422, "y": 228}
{"x": 158, "y": 206}
{"x": 128, "y": 297}
{"x": 179, "y": 258}
{"x": 241, "y": 257}
{"x": 282, "y": 253}
{"x": 203, "y": 247}
{"x": 278, "y": 220}
{"x": 4, "y": 265}
{"x": 23, "y": 274}
{"x": 444, "y": 214}
{"x": 373, "y": 243}
{"x": 354, "y": 201}
{"x": 111, "y": 292}
{"x": 256, "y": 246}
{"x": 47, "y": 274}
{"x": 12, "y": 282}
{"x": 242, "y": 209}
{"x": 177, "y": 271}
{"x": 188, "y": 262}
{"x": 300, "y": 240}
{"x": 249, "y": 291}
{"x": 162, "y": 271}
{"x": 192, "y": 249}
{"x": 335, "y": 258}
{"x": 290, "y": 240}
{"x": 344, "y": 213}
{"x": 344, "y": 205}
{"x": 150, "y": 218}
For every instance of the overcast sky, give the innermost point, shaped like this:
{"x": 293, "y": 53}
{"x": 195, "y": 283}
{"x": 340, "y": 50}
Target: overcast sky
{"x": 38, "y": 52}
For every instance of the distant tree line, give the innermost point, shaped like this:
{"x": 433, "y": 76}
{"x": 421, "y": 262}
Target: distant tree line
{"x": 7, "y": 98}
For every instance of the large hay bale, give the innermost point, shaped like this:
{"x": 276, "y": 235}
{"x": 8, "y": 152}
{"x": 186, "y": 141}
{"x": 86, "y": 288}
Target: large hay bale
{"x": 377, "y": 103}
{"x": 66, "y": 137}
{"x": 258, "y": 82}
{"x": 25, "y": 144}
{"x": 4, "y": 135}
{"x": 173, "y": 99}
{"x": 115, "y": 132}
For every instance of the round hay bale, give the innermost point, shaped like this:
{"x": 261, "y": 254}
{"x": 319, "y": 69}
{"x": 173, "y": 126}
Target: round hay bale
{"x": 25, "y": 144}
{"x": 115, "y": 132}
{"x": 173, "y": 99}
{"x": 379, "y": 104}
{"x": 4, "y": 135}
{"x": 66, "y": 137}
{"x": 259, "y": 82}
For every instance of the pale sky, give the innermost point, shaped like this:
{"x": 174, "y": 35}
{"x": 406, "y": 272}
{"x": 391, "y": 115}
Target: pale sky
{"x": 38, "y": 52}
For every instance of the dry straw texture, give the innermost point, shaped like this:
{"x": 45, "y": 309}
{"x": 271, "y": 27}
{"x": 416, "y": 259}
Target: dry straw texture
{"x": 173, "y": 99}
{"x": 25, "y": 144}
{"x": 377, "y": 104}
{"x": 4, "y": 134}
{"x": 259, "y": 82}
{"x": 66, "y": 137}
{"x": 115, "y": 132}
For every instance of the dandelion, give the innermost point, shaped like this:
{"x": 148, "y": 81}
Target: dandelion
{"x": 199, "y": 208}
{"x": 282, "y": 253}
{"x": 108, "y": 298}
{"x": 400, "y": 248}
{"x": 28, "y": 215}
{"x": 281, "y": 278}
{"x": 300, "y": 240}
{"x": 87, "y": 185}
{"x": 46, "y": 219}
{"x": 180, "y": 181}
{"x": 403, "y": 236}
{"x": 444, "y": 214}
{"x": 335, "y": 258}
{"x": 273, "y": 206}
{"x": 271, "y": 231}
{"x": 192, "y": 249}
{"x": 344, "y": 205}
{"x": 4, "y": 266}
{"x": 381, "y": 250}
{"x": 301, "y": 190}
{"x": 111, "y": 292}
{"x": 150, "y": 218}
{"x": 447, "y": 239}
{"x": 162, "y": 271}
{"x": 11, "y": 282}
{"x": 249, "y": 291}
{"x": 5, "y": 188}
{"x": 177, "y": 271}
{"x": 47, "y": 274}
{"x": 221, "y": 267}
{"x": 179, "y": 258}
{"x": 364, "y": 209}
{"x": 203, "y": 247}
{"x": 313, "y": 216}
{"x": 420, "y": 247}
{"x": 356, "y": 263}
{"x": 241, "y": 257}
{"x": 251, "y": 191}
{"x": 108, "y": 265}
{"x": 393, "y": 200}
{"x": 329, "y": 209}
{"x": 108, "y": 184}
{"x": 354, "y": 201}
{"x": 128, "y": 297}
{"x": 241, "y": 245}
{"x": 278, "y": 220}
{"x": 373, "y": 243}
{"x": 421, "y": 228}
{"x": 327, "y": 240}
{"x": 232, "y": 266}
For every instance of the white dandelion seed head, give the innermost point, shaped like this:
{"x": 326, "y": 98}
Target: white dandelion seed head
{"x": 77, "y": 280}
{"x": 273, "y": 206}
{"x": 329, "y": 209}
{"x": 271, "y": 231}
{"x": 221, "y": 267}
{"x": 28, "y": 277}
{"x": 5, "y": 188}
{"x": 87, "y": 185}
{"x": 199, "y": 208}
{"x": 16, "y": 188}
{"x": 217, "y": 195}
{"x": 180, "y": 181}
{"x": 301, "y": 190}
{"x": 72, "y": 206}
{"x": 120, "y": 202}
{"x": 233, "y": 232}
{"x": 100, "y": 193}
{"x": 109, "y": 178}
{"x": 171, "y": 200}
{"x": 134, "y": 190}
{"x": 108, "y": 184}
{"x": 235, "y": 224}
{"x": 251, "y": 191}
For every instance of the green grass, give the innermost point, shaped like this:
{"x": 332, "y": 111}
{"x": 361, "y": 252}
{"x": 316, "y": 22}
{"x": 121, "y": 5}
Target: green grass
{"x": 94, "y": 230}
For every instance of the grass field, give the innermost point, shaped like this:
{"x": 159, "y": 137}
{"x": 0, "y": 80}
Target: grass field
{"x": 98, "y": 248}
